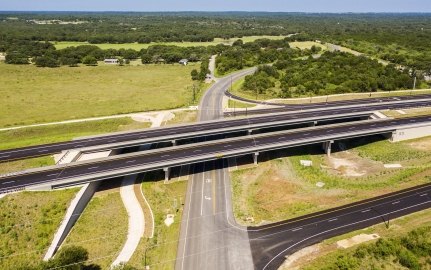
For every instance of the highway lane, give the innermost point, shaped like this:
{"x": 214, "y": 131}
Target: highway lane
{"x": 204, "y": 151}
{"x": 204, "y": 241}
{"x": 191, "y": 130}
{"x": 271, "y": 243}
{"x": 305, "y": 105}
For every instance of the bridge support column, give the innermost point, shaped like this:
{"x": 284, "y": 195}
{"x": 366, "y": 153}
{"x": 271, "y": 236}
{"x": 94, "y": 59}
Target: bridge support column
{"x": 255, "y": 156}
{"x": 249, "y": 132}
{"x": 167, "y": 171}
{"x": 312, "y": 124}
{"x": 327, "y": 147}
{"x": 174, "y": 142}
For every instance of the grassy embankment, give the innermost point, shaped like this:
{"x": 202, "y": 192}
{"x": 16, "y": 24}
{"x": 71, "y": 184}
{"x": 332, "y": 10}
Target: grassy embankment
{"x": 137, "y": 46}
{"x": 38, "y": 95}
{"x": 57, "y": 133}
{"x": 102, "y": 229}
{"x": 160, "y": 251}
{"x": 27, "y": 225}
{"x": 281, "y": 188}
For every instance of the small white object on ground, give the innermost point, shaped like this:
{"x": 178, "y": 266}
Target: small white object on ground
{"x": 401, "y": 112}
{"x": 306, "y": 163}
{"x": 393, "y": 166}
{"x": 169, "y": 220}
{"x": 320, "y": 184}
{"x": 356, "y": 240}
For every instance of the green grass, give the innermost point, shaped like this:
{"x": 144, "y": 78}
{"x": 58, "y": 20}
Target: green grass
{"x": 137, "y": 46}
{"x": 28, "y": 221}
{"x": 237, "y": 104}
{"x": 38, "y": 95}
{"x": 102, "y": 228}
{"x": 302, "y": 45}
{"x": 20, "y": 165}
{"x": 281, "y": 188}
{"x": 64, "y": 132}
{"x": 161, "y": 251}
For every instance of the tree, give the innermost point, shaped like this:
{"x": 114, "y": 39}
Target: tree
{"x": 195, "y": 75}
{"x": 16, "y": 59}
{"x": 89, "y": 60}
{"x": 47, "y": 61}
{"x": 146, "y": 58}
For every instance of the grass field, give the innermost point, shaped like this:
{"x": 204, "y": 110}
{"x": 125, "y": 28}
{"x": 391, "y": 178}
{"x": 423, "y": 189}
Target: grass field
{"x": 102, "y": 228}
{"x": 302, "y": 45}
{"x": 280, "y": 188}
{"x": 37, "y": 95}
{"x": 160, "y": 251}
{"x": 137, "y": 46}
{"x": 27, "y": 225}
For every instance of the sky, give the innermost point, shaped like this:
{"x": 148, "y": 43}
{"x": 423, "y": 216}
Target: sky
{"x": 220, "y": 5}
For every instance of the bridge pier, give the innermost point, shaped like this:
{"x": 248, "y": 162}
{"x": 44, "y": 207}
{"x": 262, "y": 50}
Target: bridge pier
{"x": 167, "y": 172}
{"x": 312, "y": 124}
{"x": 249, "y": 132}
{"x": 255, "y": 156}
{"x": 174, "y": 142}
{"x": 327, "y": 147}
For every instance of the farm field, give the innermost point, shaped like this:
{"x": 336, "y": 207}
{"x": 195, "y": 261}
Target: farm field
{"x": 137, "y": 46}
{"x": 280, "y": 188}
{"x": 38, "y": 95}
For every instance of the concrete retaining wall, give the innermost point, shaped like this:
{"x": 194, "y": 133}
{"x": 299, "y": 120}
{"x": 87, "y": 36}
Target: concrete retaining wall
{"x": 411, "y": 133}
{"x": 74, "y": 211}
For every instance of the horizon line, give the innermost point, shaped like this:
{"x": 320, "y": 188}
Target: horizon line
{"x": 224, "y": 11}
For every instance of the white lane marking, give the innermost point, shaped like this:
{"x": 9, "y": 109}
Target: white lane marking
{"x": 306, "y": 134}
{"x": 166, "y": 156}
{"x": 226, "y": 146}
{"x": 196, "y": 151}
{"x": 112, "y": 141}
{"x": 80, "y": 145}
{"x": 297, "y": 229}
{"x": 334, "y": 219}
{"x": 282, "y": 138}
{"x": 397, "y": 202}
{"x": 4, "y": 156}
{"x": 368, "y": 210}
{"x": 352, "y": 128}
{"x": 54, "y": 174}
{"x": 131, "y": 161}
{"x": 333, "y": 229}
{"x": 41, "y": 151}
{"x": 9, "y": 182}
{"x": 203, "y": 185}
{"x": 424, "y": 194}
{"x": 207, "y": 198}
{"x": 91, "y": 168}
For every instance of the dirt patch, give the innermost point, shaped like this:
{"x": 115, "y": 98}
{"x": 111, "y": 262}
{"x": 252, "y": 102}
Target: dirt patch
{"x": 349, "y": 164}
{"x": 291, "y": 260}
{"x": 356, "y": 240}
{"x": 422, "y": 145}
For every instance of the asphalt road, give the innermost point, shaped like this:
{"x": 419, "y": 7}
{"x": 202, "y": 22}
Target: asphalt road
{"x": 207, "y": 239}
{"x": 289, "y": 107}
{"x": 271, "y": 243}
{"x": 215, "y": 149}
{"x": 212, "y": 98}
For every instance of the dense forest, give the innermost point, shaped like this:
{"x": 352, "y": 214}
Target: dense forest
{"x": 328, "y": 73}
{"x": 402, "y": 39}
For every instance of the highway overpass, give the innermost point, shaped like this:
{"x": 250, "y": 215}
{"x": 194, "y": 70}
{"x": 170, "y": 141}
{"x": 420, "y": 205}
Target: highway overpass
{"x": 216, "y": 127}
{"x": 166, "y": 158}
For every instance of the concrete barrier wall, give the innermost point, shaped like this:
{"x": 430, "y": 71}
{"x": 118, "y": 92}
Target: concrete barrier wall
{"x": 411, "y": 133}
{"x": 74, "y": 211}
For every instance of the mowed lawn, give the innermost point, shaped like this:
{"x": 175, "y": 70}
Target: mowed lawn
{"x": 32, "y": 95}
{"x": 137, "y": 46}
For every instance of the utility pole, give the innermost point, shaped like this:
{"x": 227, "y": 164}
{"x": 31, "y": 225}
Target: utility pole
{"x": 414, "y": 83}
{"x": 194, "y": 93}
